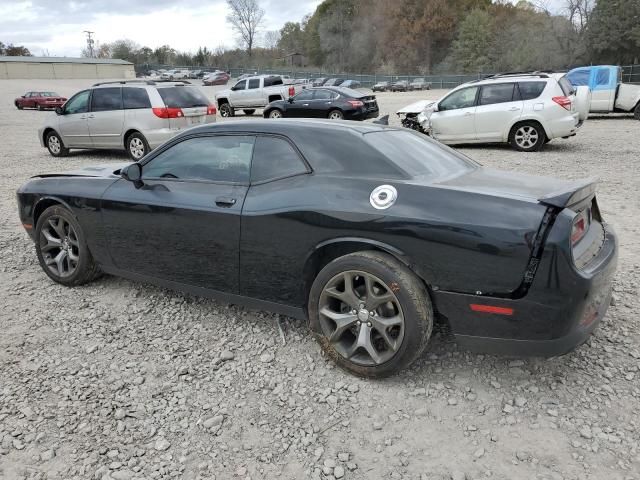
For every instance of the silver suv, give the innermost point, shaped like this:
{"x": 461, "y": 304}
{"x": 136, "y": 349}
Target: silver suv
{"x": 136, "y": 116}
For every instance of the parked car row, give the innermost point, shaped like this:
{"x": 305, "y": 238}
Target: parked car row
{"x": 402, "y": 86}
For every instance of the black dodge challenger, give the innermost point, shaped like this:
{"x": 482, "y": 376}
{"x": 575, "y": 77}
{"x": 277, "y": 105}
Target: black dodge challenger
{"x": 373, "y": 233}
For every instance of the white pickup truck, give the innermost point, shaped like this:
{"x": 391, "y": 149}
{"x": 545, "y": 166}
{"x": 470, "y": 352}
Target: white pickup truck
{"x": 251, "y": 93}
{"x": 608, "y": 93}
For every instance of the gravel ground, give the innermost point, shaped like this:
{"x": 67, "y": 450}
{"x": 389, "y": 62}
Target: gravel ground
{"x": 119, "y": 380}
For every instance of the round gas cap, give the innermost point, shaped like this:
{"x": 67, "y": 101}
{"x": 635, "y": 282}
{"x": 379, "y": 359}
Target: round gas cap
{"x": 383, "y": 197}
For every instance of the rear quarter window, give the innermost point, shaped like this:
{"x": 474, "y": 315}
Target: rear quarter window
{"x": 135, "y": 98}
{"x": 531, "y": 90}
{"x": 567, "y": 87}
{"x": 183, "y": 97}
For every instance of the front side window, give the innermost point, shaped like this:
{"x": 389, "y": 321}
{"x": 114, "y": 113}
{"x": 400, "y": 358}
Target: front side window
{"x": 498, "y": 93}
{"x": 224, "y": 158}
{"x": 106, "y": 99}
{"x": 133, "y": 98}
{"x": 579, "y": 78}
{"x": 304, "y": 96}
{"x": 464, "y": 98}
{"x": 275, "y": 158}
{"x": 78, "y": 104}
{"x": 241, "y": 85}
{"x": 254, "y": 83}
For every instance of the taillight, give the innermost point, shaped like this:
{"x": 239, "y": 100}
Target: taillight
{"x": 564, "y": 102}
{"x": 355, "y": 103}
{"x": 292, "y": 91}
{"x": 168, "y": 112}
{"x": 580, "y": 226}
{"x": 211, "y": 110}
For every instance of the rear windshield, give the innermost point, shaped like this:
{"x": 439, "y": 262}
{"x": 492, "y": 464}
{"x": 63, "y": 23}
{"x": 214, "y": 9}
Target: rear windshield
{"x": 419, "y": 156}
{"x": 567, "y": 86}
{"x": 183, "y": 97}
{"x": 351, "y": 93}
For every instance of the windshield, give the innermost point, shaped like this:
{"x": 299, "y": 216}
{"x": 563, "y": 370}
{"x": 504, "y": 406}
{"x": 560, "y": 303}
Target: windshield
{"x": 418, "y": 155}
{"x": 183, "y": 97}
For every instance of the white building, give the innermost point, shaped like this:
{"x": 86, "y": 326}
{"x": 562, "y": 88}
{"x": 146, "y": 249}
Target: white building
{"x": 64, "y": 67}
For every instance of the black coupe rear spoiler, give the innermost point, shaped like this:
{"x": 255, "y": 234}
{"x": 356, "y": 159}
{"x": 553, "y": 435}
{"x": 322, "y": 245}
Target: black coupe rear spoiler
{"x": 578, "y": 192}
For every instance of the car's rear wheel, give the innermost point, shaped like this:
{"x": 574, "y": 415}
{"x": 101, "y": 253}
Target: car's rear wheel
{"x": 335, "y": 115}
{"x": 636, "y": 112}
{"x": 137, "y": 146}
{"x": 226, "y": 110}
{"x": 275, "y": 113}
{"x": 527, "y": 137}
{"x": 370, "y": 313}
{"x": 250, "y": 111}
{"x": 55, "y": 146}
{"x": 62, "y": 248}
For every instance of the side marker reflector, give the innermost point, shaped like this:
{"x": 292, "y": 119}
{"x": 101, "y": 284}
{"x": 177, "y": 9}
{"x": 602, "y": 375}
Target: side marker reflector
{"x": 27, "y": 226}
{"x": 491, "y": 309}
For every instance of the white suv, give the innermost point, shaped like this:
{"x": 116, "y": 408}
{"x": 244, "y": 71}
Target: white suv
{"x": 525, "y": 110}
{"x": 133, "y": 115}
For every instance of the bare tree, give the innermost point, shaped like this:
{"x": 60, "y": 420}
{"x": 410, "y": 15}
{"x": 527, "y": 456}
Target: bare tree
{"x": 271, "y": 39}
{"x": 246, "y": 18}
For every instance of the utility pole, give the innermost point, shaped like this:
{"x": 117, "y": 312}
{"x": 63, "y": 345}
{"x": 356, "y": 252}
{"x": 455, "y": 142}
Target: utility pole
{"x": 89, "y": 43}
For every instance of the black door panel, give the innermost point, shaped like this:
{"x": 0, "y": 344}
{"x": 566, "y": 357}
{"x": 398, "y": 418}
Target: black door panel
{"x": 176, "y": 230}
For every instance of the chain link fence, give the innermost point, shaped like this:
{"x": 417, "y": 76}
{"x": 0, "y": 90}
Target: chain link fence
{"x": 630, "y": 74}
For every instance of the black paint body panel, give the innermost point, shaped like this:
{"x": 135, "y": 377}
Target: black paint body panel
{"x": 469, "y": 237}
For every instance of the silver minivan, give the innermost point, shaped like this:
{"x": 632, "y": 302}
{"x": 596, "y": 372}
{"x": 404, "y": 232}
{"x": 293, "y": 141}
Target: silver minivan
{"x": 136, "y": 116}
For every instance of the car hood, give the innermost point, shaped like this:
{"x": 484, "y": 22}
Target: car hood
{"x": 223, "y": 93}
{"x": 417, "y": 107}
{"x": 551, "y": 191}
{"x": 105, "y": 171}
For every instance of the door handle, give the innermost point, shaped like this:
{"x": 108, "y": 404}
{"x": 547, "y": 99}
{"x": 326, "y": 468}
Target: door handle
{"x": 83, "y": 117}
{"x": 468, "y": 114}
{"x": 225, "y": 202}
{"x": 514, "y": 109}
{"x": 91, "y": 116}
{"x": 305, "y": 104}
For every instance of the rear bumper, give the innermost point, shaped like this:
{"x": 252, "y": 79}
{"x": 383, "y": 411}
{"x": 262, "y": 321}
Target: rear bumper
{"x": 566, "y": 126}
{"x": 362, "y": 115}
{"x": 563, "y": 307}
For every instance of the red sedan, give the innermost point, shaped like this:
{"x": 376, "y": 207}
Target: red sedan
{"x": 218, "y": 78}
{"x": 39, "y": 100}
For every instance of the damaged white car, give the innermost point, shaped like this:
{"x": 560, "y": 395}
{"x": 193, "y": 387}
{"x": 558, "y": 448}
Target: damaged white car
{"x": 525, "y": 110}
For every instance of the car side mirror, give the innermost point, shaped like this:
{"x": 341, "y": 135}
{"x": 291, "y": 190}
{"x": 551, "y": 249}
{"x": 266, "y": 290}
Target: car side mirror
{"x": 133, "y": 173}
{"x": 59, "y": 111}
{"x": 290, "y": 99}
{"x": 436, "y": 108}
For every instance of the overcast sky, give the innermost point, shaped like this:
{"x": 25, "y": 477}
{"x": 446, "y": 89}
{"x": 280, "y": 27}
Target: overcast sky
{"x": 57, "y": 26}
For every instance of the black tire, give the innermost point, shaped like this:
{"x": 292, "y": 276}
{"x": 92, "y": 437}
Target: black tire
{"x": 636, "y": 112}
{"x": 54, "y": 144}
{"x": 410, "y": 293}
{"x": 275, "y": 113}
{"x": 250, "y": 111}
{"x": 85, "y": 269}
{"x": 226, "y": 110}
{"x": 137, "y": 146}
{"x": 335, "y": 114}
{"x": 18, "y": 106}
{"x": 527, "y": 136}
{"x": 39, "y": 107}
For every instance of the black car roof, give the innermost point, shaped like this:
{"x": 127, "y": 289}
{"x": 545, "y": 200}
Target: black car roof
{"x": 284, "y": 126}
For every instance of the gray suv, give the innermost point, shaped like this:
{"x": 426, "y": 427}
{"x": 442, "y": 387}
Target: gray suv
{"x": 136, "y": 116}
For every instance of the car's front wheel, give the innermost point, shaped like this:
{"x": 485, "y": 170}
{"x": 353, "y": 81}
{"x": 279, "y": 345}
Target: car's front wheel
{"x": 55, "y": 146}
{"x": 137, "y": 146}
{"x": 527, "y": 137}
{"x": 370, "y": 313}
{"x": 636, "y": 112}
{"x": 275, "y": 113}
{"x": 18, "y": 106}
{"x": 62, "y": 248}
